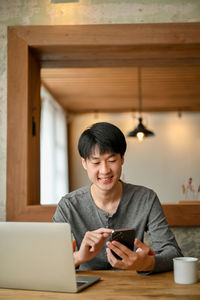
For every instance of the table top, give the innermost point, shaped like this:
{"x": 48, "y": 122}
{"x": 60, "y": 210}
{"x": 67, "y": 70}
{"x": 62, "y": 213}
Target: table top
{"x": 118, "y": 285}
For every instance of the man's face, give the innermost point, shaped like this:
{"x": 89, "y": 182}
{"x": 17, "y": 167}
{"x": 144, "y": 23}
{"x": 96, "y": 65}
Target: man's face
{"x": 104, "y": 170}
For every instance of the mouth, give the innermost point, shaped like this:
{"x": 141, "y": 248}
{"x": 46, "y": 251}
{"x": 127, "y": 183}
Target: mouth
{"x": 106, "y": 179}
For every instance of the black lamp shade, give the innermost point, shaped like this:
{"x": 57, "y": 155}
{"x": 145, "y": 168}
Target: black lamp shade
{"x": 140, "y": 128}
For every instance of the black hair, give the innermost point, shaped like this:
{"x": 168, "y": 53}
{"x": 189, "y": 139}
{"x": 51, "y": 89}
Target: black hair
{"x": 106, "y": 136}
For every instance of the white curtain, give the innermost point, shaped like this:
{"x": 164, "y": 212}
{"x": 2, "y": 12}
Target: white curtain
{"x": 53, "y": 150}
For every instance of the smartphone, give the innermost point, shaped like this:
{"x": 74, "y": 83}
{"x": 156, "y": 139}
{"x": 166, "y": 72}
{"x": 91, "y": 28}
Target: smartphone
{"x": 124, "y": 236}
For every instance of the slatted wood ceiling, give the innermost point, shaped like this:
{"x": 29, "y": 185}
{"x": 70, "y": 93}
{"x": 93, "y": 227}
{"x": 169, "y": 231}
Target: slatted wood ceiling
{"x": 113, "y": 89}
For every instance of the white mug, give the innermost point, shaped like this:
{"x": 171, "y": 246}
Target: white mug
{"x": 185, "y": 270}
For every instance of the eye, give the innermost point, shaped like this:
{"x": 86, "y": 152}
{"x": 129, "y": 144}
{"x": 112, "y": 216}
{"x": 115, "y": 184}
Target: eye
{"x": 112, "y": 161}
{"x": 95, "y": 163}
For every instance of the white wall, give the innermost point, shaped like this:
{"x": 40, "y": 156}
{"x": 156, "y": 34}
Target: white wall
{"x": 163, "y": 162}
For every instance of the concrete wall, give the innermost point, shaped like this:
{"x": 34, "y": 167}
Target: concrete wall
{"x": 37, "y": 12}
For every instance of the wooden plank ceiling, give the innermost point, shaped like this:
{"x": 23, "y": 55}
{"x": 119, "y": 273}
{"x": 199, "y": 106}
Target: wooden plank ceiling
{"x": 115, "y": 89}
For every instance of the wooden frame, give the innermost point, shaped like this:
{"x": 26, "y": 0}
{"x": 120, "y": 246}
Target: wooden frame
{"x": 30, "y": 47}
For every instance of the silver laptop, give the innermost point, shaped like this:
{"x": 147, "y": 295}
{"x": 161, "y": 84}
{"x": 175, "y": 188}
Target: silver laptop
{"x": 39, "y": 256}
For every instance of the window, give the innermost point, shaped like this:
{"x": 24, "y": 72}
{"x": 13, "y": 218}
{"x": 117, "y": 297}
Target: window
{"x": 53, "y": 150}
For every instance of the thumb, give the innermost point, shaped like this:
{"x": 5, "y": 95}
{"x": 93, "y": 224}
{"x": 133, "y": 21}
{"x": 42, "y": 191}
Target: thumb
{"x": 143, "y": 247}
{"x": 140, "y": 245}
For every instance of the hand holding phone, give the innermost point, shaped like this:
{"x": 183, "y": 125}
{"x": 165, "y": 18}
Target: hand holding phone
{"x": 124, "y": 236}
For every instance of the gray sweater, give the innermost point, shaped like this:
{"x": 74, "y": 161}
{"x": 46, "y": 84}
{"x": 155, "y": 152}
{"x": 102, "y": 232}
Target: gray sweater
{"x": 139, "y": 208}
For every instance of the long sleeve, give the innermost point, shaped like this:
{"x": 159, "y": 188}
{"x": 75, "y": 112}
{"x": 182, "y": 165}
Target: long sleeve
{"x": 163, "y": 240}
{"x": 139, "y": 208}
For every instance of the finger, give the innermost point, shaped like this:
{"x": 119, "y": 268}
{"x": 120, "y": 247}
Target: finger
{"x": 94, "y": 234}
{"x": 97, "y": 238}
{"x": 105, "y": 235}
{"x": 143, "y": 247}
{"x": 138, "y": 243}
{"x": 111, "y": 258}
{"x": 104, "y": 230}
{"x": 116, "y": 263}
{"x": 91, "y": 239}
{"x": 113, "y": 248}
{"x": 119, "y": 249}
{"x": 94, "y": 240}
{"x": 122, "y": 248}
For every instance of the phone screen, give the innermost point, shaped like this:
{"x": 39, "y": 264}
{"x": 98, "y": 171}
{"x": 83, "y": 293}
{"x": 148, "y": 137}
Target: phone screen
{"x": 124, "y": 236}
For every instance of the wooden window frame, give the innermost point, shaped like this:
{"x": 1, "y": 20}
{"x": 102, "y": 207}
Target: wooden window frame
{"x": 30, "y": 47}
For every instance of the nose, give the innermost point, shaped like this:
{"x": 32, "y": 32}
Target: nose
{"x": 104, "y": 169}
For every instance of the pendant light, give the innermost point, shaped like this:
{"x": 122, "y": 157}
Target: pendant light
{"x": 140, "y": 131}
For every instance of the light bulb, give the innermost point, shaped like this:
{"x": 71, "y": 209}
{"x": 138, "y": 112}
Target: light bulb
{"x": 140, "y": 136}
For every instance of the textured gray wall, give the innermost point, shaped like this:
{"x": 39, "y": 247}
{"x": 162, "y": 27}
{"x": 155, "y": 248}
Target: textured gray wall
{"x": 36, "y": 12}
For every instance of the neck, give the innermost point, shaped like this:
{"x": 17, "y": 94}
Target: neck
{"x": 107, "y": 200}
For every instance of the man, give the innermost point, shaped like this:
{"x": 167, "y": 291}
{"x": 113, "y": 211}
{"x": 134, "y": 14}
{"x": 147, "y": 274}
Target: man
{"x": 108, "y": 203}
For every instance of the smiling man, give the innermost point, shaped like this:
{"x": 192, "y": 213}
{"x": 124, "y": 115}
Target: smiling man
{"x": 108, "y": 203}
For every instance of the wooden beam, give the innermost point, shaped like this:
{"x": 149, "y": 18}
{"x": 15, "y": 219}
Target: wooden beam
{"x": 22, "y": 40}
{"x": 17, "y": 125}
{"x": 110, "y": 35}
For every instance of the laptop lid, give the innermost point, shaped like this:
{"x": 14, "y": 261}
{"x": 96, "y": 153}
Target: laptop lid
{"x": 38, "y": 256}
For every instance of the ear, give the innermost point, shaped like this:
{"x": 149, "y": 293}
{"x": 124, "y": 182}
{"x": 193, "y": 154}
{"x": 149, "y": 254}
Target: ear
{"x": 122, "y": 160}
{"x": 84, "y": 163}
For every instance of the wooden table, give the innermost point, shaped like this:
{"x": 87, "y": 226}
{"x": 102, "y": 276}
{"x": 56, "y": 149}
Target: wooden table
{"x": 118, "y": 285}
